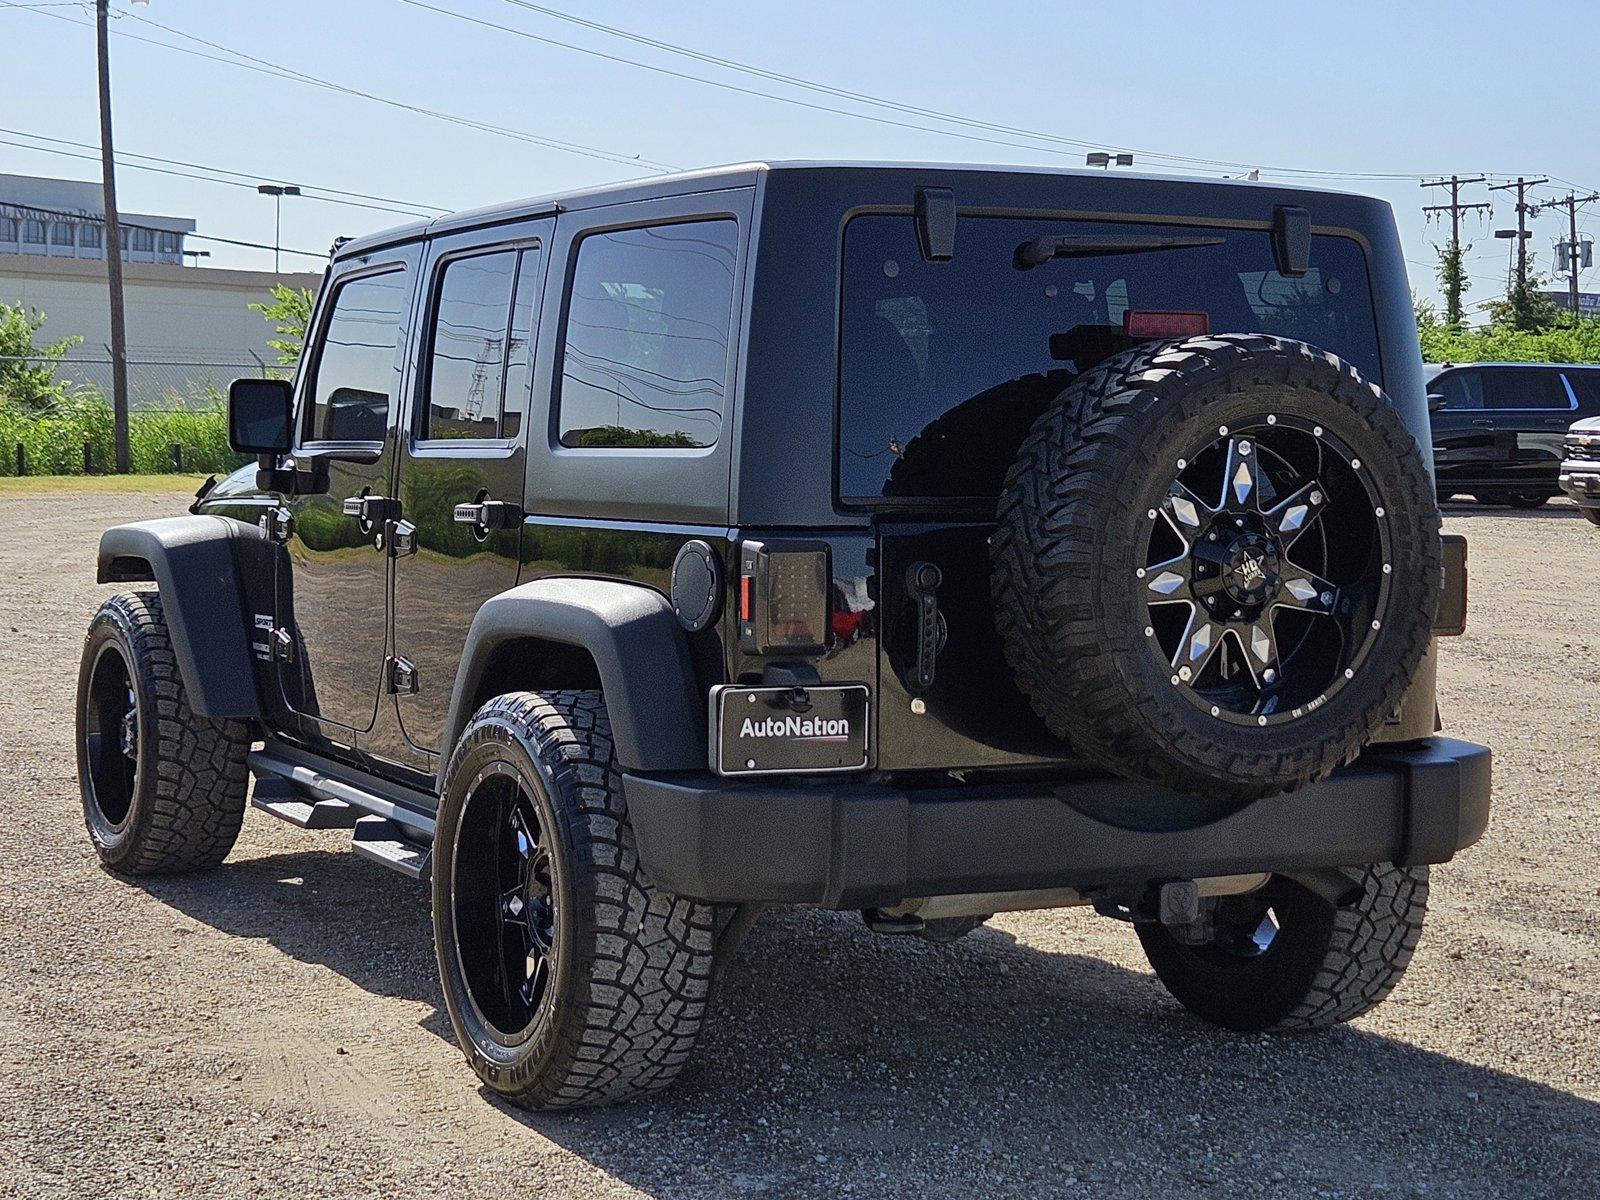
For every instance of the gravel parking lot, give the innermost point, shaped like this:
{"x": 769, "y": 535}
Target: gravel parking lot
{"x": 275, "y": 1029}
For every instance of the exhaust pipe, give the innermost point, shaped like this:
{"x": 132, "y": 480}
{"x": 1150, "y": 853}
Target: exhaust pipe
{"x": 1338, "y": 887}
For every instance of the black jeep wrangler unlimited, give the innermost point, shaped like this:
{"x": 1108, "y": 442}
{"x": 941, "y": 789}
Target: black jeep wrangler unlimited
{"x": 926, "y": 541}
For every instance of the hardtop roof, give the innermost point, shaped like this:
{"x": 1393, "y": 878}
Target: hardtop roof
{"x": 747, "y": 174}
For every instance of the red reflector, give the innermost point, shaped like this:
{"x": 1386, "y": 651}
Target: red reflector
{"x": 745, "y": 583}
{"x": 1150, "y": 323}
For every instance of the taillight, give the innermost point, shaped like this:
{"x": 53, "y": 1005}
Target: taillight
{"x": 1451, "y": 617}
{"x": 783, "y": 597}
{"x": 1154, "y": 323}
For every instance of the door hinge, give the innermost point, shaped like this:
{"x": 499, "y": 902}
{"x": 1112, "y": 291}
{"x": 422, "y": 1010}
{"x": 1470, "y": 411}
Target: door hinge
{"x": 276, "y": 524}
{"x": 281, "y": 645}
{"x": 402, "y": 539}
{"x": 402, "y": 677}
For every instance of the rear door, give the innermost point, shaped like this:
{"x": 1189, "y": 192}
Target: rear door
{"x": 1531, "y": 408}
{"x": 462, "y": 457}
{"x": 944, "y": 367}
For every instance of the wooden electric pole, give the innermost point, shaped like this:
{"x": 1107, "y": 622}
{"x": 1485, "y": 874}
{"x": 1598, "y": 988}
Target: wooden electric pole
{"x": 108, "y": 172}
{"x": 1523, "y": 210}
{"x": 1452, "y": 295}
{"x": 1571, "y": 202}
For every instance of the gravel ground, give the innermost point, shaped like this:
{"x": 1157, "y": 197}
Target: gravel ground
{"x": 274, "y": 1028}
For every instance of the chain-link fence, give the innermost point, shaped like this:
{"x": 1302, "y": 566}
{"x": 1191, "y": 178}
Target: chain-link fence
{"x": 59, "y": 420}
{"x": 154, "y": 384}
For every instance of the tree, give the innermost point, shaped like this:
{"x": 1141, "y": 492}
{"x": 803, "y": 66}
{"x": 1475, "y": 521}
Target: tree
{"x": 1525, "y": 307}
{"x": 290, "y": 315}
{"x": 1452, "y": 282}
{"x": 27, "y": 371}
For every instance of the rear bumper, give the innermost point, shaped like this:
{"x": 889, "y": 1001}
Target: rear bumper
{"x": 1580, "y": 479}
{"x": 843, "y": 845}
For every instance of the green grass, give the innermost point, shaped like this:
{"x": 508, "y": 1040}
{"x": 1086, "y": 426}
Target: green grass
{"x": 53, "y": 441}
{"x": 42, "y": 485}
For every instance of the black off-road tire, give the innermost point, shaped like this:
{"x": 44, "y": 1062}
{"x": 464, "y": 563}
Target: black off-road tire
{"x": 1072, "y": 522}
{"x": 633, "y": 964}
{"x": 1325, "y": 964}
{"x": 178, "y": 804}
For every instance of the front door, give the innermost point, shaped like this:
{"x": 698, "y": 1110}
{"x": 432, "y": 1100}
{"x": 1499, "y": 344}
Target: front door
{"x": 332, "y": 604}
{"x": 462, "y": 457}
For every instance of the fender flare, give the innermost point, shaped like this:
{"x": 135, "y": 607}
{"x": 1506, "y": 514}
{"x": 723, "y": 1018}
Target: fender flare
{"x": 657, "y": 711}
{"x": 192, "y": 562}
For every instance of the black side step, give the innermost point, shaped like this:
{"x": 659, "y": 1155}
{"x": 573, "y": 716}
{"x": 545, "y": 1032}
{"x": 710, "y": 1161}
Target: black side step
{"x": 386, "y": 842}
{"x": 286, "y": 802}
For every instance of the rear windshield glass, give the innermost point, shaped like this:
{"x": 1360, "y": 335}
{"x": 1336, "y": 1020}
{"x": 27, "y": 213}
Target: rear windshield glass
{"x": 945, "y": 365}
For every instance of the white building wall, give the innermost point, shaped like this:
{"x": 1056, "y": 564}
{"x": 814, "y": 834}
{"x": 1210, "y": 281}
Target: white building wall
{"x": 172, "y": 311}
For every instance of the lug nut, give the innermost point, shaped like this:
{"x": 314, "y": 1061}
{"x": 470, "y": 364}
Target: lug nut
{"x": 1270, "y": 675}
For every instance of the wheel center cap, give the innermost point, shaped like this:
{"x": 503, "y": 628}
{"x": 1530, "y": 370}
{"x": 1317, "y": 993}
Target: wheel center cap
{"x": 1249, "y": 567}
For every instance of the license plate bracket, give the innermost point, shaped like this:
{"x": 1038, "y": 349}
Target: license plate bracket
{"x": 787, "y": 730}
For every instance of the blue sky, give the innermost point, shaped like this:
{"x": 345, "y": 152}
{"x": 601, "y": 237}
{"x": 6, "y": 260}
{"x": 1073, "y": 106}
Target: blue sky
{"x": 1350, "y": 88}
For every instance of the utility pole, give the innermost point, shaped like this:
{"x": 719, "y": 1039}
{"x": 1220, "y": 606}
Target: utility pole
{"x": 1571, "y": 202}
{"x": 108, "y": 172}
{"x": 1523, "y": 210}
{"x": 1452, "y": 298}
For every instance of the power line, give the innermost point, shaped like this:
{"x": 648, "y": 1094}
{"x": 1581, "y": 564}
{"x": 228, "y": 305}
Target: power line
{"x": 246, "y": 178}
{"x": 1453, "y": 276}
{"x": 1188, "y": 162}
{"x": 123, "y": 156}
{"x": 1522, "y": 235}
{"x": 262, "y": 66}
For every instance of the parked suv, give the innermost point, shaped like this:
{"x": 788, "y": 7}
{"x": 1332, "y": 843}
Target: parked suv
{"x": 1498, "y": 428}
{"x": 925, "y": 541}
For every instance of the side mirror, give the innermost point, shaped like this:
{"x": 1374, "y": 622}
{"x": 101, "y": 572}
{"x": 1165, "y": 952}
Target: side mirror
{"x": 259, "y": 415}
{"x": 1436, "y": 402}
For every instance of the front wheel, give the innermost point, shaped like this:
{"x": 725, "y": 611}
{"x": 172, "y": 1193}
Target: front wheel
{"x": 1285, "y": 959}
{"x": 570, "y": 979}
{"x": 163, "y": 787}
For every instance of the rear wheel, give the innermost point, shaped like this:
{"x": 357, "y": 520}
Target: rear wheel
{"x": 163, "y": 788}
{"x": 570, "y": 979}
{"x": 1527, "y": 500}
{"x": 1283, "y": 958}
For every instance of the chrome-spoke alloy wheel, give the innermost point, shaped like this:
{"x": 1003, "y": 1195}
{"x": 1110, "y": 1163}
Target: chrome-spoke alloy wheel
{"x": 505, "y": 905}
{"x": 111, "y": 736}
{"x": 1266, "y": 571}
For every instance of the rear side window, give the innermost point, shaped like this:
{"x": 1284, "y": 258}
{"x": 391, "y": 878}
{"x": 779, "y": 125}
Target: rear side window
{"x": 358, "y": 366}
{"x": 1586, "y": 387}
{"x": 645, "y": 362}
{"x": 945, "y": 365}
{"x": 478, "y": 346}
{"x": 1524, "y": 387}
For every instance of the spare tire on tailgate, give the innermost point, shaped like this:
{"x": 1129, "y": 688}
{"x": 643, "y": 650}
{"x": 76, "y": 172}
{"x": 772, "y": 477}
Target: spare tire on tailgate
{"x": 1217, "y": 563}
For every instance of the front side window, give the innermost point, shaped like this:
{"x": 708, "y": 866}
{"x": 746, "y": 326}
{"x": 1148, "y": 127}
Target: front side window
{"x": 358, "y": 368}
{"x": 1586, "y": 386}
{"x": 645, "y": 363}
{"x": 1524, "y": 387}
{"x": 1462, "y": 390}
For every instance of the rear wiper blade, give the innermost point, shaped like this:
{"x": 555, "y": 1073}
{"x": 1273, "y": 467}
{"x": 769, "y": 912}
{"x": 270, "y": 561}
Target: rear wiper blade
{"x": 1074, "y": 245}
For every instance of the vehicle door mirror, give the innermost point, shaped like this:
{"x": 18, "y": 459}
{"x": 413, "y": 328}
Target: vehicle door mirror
{"x": 259, "y": 420}
{"x": 1436, "y": 402}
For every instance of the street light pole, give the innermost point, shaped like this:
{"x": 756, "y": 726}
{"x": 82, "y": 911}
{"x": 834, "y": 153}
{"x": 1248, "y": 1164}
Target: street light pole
{"x": 277, "y": 191}
{"x": 108, "y": 174}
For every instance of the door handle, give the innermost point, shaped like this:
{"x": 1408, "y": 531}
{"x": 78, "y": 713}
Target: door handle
{"x": 485, "y": 515}
{"x": 371, "y": 510}
{"x": 1483, "y": 424}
